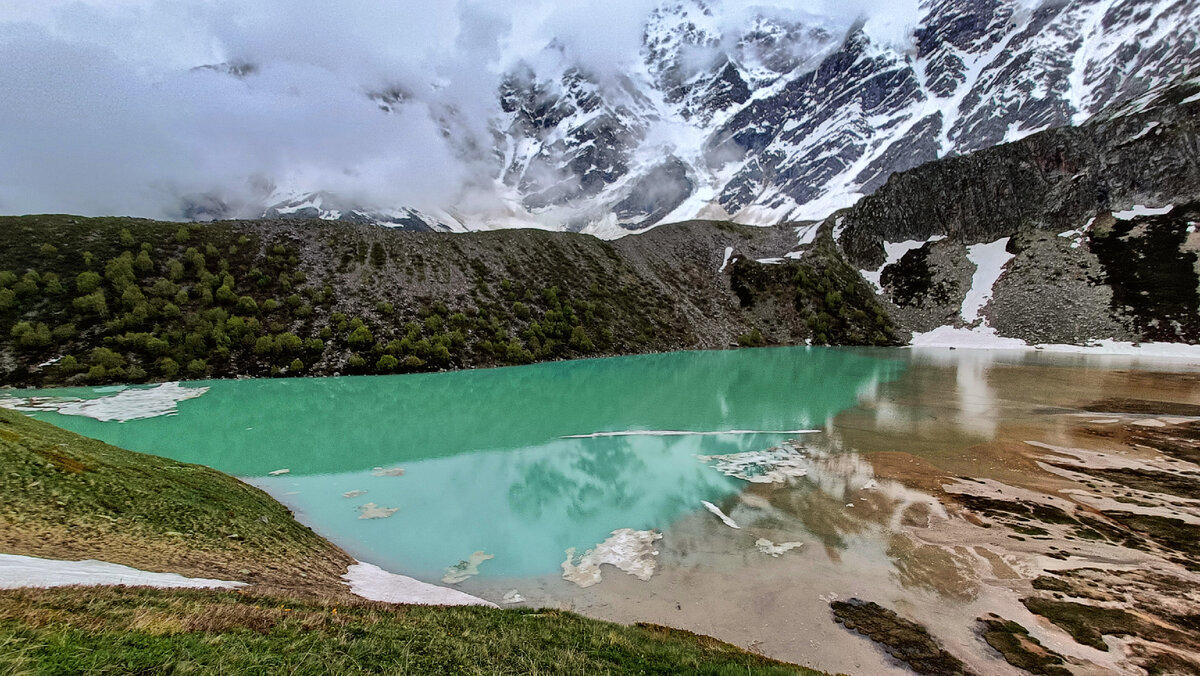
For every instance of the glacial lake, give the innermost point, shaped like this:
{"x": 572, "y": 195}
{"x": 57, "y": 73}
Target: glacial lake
{"x": 525, "y": 463}
{"x": 520, "y": 463}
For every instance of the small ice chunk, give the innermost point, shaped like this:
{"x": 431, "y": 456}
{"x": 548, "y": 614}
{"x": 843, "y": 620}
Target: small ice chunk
{"x": 870, "y": 485}
{"x": 720, "y": 515}
{"x": 776, "y": 550}
{"x": 467, "y": 568}
{"x": 374, "y": 511}
{"x": 392, "y": 471}
{"x": 1151, "y": 422}
{"x": 279, "y": 471}
{"x": 512, "y": 596}
{"x": 354, "y": 493}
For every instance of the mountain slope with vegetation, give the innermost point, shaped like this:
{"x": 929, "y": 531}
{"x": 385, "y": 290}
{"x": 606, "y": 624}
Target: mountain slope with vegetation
{"x": 90, "y": 301}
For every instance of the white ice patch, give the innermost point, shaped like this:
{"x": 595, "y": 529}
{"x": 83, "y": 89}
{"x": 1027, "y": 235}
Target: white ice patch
{"x": 129, "y": 404}
{"x": 28, "y": 571}
{"x": 893, "y": 252}
{"x": 728, "y": 254}
{"x": 989, "y": 260}
{"x": 376, "y": 584}
{"x": 682, "y": 433}
{"x": 985, "y": 338}
{"x": 770, "y": 261}
{"x": 374, "y": 511}
{"x": 779, "y": 464}
{"x": 720, "y": 515}
{"x": 767, "y": 547}
{"x": 467, "y": 568}
{"x": 631, "y": 551}
{"x": 1141, "y": 210}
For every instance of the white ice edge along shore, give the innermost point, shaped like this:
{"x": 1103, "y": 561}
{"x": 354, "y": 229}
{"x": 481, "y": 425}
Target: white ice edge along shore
{"x": 28, "y": 571}
{"x": 364, "y": 579}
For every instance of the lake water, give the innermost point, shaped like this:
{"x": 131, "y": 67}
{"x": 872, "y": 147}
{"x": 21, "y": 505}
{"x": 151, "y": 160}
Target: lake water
{"x": 516, "y": 463}
{"x": 486, "y": 459}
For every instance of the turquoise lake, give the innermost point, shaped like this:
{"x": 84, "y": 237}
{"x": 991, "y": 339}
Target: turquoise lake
{"x": 487, "y": 465}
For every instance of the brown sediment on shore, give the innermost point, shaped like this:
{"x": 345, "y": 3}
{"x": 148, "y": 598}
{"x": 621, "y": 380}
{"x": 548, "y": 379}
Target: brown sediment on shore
{"x": 1105, "y": 541}
{"x": 989, "y": 508}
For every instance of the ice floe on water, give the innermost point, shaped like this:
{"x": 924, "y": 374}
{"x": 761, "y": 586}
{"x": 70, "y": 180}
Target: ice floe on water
{"x": 467, "y": 568}
{"x": 512, "y": 596}
{"x": 374, "y": 511}
{"x": 632, "y": 551}
{"x": 126, "y": 404}
{"x": 682, "y": 433}
{"x": 777, "y": 464}
{"x": 720, "y": 515}
{"x": 28, "y": 571}
{"x": 376, "y": 584}
{"x": 279, "y": 472}
{"x": 354, "y": 493}
{"x": 392, "y": 471}
{"x": 767, "y": 547}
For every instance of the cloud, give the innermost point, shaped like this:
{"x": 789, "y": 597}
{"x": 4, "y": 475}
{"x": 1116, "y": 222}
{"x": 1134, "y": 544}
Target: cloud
{"x": 104, "y": 112}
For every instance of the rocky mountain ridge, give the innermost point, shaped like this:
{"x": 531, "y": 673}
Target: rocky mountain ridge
{"x": 789, "y": 116}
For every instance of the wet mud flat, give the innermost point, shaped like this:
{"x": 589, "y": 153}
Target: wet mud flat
{"x": 970, "y": 519}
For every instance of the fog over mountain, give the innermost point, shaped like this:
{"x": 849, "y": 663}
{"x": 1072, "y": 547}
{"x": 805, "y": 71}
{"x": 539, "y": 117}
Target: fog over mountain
{"x": 603, "y": 117}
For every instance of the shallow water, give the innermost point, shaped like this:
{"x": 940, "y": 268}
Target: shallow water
{"x": 487, "y": 468}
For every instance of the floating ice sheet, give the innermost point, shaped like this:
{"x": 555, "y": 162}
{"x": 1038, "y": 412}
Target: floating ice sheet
{"x": 127, "y": 404}
{"x": 720, "y": 515}
{"x": 777, "y": 464}
{"x": 466, "y": 568}
{"x": 629, "y": 550}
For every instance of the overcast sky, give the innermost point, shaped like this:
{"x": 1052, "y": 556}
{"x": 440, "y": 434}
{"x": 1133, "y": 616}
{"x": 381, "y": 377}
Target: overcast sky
{"x": 101, "y": 112}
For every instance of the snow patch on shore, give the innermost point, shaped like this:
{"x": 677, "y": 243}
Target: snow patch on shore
{"x": 28, "y": 571}
{"x": 376, "y": 584}
{"x": 1142, "y": 210}
{"x": 125, "y": 405}
{"x": 986, "y": 338}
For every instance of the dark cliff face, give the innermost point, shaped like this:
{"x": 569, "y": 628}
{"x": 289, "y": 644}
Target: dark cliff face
{"x": 1054, "y": 180}
{"x": 1101, "y": 221}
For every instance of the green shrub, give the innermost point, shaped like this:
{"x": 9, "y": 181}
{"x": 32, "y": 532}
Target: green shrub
{"x": 387, "y": 363}
{"x": 68, "y": 365}
{"x": 196, "y": 368}
{"x": 93, "y": 303}
{"x": 48, "y": 249}
{"x": 87, "y": 282}
{"x": 105, "y": 357}
{"x": 8, "y": 299}
{"x": 97, "y": 373}
{"x": 168, "y": 367}
{"x": 296, "y": 365}
{"x": 361, "y": 337}
{"x": 356, "y": 362}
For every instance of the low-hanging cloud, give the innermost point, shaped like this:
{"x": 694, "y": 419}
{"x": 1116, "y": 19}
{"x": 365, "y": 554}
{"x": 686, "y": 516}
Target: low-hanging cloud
{"x": 103, "y": 109}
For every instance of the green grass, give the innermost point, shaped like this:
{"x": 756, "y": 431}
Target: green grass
{"x": 80, "y": 631}
{"x": 67, "y": 496}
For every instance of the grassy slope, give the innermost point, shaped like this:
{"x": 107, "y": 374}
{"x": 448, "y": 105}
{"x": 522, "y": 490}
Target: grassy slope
{"x": 66, "y": 496}
{"x": 144, "y": 631}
